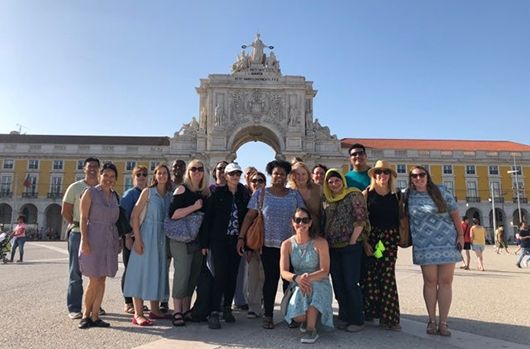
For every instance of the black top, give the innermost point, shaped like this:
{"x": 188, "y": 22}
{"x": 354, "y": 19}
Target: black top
{"x": 383, "y": 211}
{"x": 218, "y": 211}
{"x": 525, "y": 243}
{"x": 186, "y": 199}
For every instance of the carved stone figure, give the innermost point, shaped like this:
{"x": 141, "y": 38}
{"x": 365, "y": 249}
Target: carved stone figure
{"x": 191, "y": 128}
{"x": 257, "y": 55}
{"x": 218, "y": 113}
{"x": 203, "y": 118}
{"x": 242, "y": 62}
{"x": 293, "y": 115}
{"x": 273, "y": 63}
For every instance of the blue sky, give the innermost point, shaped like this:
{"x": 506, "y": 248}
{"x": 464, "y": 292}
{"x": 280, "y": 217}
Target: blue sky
{"x": 390, "y": 69}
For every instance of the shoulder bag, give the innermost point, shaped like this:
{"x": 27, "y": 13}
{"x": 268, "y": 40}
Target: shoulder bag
{"x": 405, "y": 239}
{"x": 123, "y": 225}
{"x": 256, "y": 232}
{"x": 185, "y": 229}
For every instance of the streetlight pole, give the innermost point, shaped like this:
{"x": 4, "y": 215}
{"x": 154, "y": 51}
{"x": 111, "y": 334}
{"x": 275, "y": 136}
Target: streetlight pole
{"x": 515, "y": 171}
{"x": 493, "y": 210}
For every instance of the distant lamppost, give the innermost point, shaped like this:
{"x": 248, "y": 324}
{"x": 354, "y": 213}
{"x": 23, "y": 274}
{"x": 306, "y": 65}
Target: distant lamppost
{"x": 515, "y": 172}
{"x": 492, "y": 199}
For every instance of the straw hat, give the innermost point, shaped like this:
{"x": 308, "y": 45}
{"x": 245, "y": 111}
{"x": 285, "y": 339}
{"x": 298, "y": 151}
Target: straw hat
{"x": 381, "y": 165}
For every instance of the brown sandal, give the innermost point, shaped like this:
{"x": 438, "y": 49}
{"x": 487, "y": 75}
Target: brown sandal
{"x": 443, "y": 330}
{"x": 431, "y": 327}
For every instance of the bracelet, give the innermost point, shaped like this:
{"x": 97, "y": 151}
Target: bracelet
{"x": 294, "y": 278}
{"x": 241, "y": 238}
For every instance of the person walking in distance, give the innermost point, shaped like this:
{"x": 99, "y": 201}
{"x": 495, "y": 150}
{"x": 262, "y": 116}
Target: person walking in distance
{"x": 466, "y": 227}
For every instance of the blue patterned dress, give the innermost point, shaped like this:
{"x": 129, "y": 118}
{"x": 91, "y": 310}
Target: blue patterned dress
{"x": 433, "y": 233}
{"x": 304, "y": 259}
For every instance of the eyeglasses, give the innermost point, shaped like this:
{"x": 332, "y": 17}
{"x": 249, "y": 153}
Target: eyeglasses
{"x": 301, "y": 220}
{"x": 418, "y": 175}
{"x": 258, "y": 180}
{"x": 234, "y": 173}
{"x": 385, "y": 171}
{"x": 141, "y": 174}
{"x": 195, "y": 169}
{"x": 358, "y": 153}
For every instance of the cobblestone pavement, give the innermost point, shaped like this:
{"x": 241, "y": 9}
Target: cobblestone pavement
{"x": 490, "y": 310}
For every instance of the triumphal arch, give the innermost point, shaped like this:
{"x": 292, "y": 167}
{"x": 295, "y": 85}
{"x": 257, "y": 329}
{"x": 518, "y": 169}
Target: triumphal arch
{"x": 256, "y": 102}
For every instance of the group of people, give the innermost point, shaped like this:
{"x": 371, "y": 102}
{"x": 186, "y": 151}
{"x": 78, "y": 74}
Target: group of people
{"x": 317, "y": 223}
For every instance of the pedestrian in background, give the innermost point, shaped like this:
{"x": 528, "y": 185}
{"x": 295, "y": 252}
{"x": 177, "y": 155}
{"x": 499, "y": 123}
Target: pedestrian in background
{"x": 19, "y": 239}
{"x": 478, "y": 241}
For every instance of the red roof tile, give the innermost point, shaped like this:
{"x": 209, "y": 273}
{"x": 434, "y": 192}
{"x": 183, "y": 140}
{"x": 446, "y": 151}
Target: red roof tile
{"x": 436, "y": 144}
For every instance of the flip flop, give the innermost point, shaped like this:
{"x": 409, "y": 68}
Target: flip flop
{"x": 145, "y": 322}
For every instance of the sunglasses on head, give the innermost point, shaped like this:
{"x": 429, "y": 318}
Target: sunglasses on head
{"x": 258, "y": 180}
{"x": 195, "y": 169}
{"x": 299, "y": 220}
{"x": 141, "y": 174}
{"x": 358, "y": 153}
{"x": 234, "y": 173}
{"x": 418, "y": 175}
{"x": 220, "y": 168}
{"x": 385, "y": 171}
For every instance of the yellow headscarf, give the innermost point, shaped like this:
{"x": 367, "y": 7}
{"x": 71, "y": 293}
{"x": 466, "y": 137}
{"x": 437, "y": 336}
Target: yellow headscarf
{"x": 329, "y": 195}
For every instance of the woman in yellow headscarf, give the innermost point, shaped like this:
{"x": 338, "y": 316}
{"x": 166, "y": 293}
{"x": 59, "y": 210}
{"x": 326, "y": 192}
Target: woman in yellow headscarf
{"x": 346, "y": 217}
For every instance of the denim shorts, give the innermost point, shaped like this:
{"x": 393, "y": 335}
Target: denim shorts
{"x": 478, "y": 248}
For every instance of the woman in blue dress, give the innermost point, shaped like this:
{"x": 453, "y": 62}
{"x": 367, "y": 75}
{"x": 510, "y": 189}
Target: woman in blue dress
{"x": 437, "y": 238}
{"x": 309, "y": 257}
{"x": 146, "y": 277}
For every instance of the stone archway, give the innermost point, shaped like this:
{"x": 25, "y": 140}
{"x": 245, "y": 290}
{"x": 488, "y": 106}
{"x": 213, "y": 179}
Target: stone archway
{"x": 53, "y": 223}
{"x": 30, "y": 212}
{"x": 6, "y": 213}
{"x": 256, "y": 102}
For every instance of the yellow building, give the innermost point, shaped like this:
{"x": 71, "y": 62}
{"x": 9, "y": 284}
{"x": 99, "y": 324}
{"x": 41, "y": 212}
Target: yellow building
{"x": 35, "y": 170}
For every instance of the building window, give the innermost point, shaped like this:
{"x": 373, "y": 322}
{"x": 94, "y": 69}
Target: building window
{"x": 80, "y": 165}
{"x": 450, "y": 186}
{"x": 30, "y": 183}
{"x": 448, "y": 169}
{"x": 470, "y": 169}
{"x": 472, "y": 189}
{"x": 79, "y": 177}
{"x": 427, "y": 167}
{"x": 153, "y": 165}
{"x": 130, "y": 165}
{"x": 516, "y": 168}
{"x": 58, "y": 164}
{"x": 56, "y": 186}
{"x": 496, "y": 186}
{"x": 402, "y": 184}
{"x": 128, "y": 183}
{"x": 5, "y": 186}
{"x": 33, "y": 164}
{"x": 401, "y": 168}
{"x": 494, "y": 170}
{"x": 400, "y": 154}
{"x": 8, "y": 164}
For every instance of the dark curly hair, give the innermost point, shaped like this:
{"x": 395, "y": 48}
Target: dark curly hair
{"x": 278, "y": 163}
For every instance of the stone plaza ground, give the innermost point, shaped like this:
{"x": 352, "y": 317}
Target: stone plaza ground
{"x": 490, "y": 310}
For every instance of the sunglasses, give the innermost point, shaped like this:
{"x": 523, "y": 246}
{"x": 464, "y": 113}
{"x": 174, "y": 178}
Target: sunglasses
{"x": 234, "y": 173}
{"x": 141, "y": 174}
{"x": 418, "y": 175}
{"x": 301, "y": 220}
{"x": 220, "y": 168}
{"x": 385, "y": 171}
{"x": 358, "y": 153}
{"x": 195, "y": 169}
{"x": 258, "y": 180}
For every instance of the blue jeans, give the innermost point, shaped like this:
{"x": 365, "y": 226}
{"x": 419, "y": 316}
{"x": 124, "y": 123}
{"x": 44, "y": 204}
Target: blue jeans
{"x": 18, "y": 242}
{"x": 345, "y": 269}
{"x": 524, "y": 251}
{"x": 74, "y": 296}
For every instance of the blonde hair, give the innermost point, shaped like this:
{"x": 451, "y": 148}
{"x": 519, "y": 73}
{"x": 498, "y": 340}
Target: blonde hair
{"x": 290, "y": 178}
{"x": 203, "y": 185}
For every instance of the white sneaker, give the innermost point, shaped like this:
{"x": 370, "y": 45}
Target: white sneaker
{"x": 75, "y": 316}
{"x": 524, "y": 264}
{"x": 309, "y": 337}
